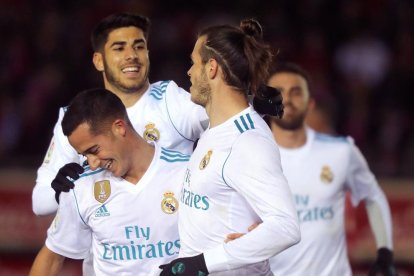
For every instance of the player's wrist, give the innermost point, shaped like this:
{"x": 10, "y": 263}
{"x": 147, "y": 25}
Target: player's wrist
{"x": 385, "y": 256}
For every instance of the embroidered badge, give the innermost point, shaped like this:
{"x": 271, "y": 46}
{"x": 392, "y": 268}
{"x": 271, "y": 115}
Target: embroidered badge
{"x": 206, "y": 159}
{"x": 151, "y": 133}
{"x": 169, "y": 204}
{"x": 326, "y": 175}
{"x": 102, "y": 190}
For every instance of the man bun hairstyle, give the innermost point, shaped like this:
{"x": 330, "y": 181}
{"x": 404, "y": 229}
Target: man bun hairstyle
{"x": 241, "y": 53}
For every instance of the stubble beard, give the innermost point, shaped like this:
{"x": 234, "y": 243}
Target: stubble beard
{"x": 291, "y": 123}
{"x": 203, "y": 89}
{"x": 117, "y": 83}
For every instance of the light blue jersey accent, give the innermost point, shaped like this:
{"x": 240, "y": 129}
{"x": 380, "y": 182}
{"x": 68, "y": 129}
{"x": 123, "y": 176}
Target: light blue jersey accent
{"x": 158, "y": 92}
{"x": 173, "y": 155}
{"x": 330, "y": 138}
{"x": 77, "y": 207}
{"x": 244, "y": 123}
{"x": 88, "y": 171}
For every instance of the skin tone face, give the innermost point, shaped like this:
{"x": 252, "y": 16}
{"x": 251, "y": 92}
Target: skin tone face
{"x": 103, "y": 150}
{"x": 295, "y": 93}
{"x": 124, "y": 61}
{"x": 200, "y": 88}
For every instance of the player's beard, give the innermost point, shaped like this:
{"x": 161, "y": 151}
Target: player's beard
{"x": 116, "y": 82}
{"x": 201, "y": 90}
{"x": 292, "y": 121}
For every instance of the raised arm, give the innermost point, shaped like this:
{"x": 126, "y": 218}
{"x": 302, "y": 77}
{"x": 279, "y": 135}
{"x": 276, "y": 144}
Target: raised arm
{"x": 58, "y": 154}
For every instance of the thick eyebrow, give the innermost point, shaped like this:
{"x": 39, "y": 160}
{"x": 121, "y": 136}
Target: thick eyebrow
{"x": 122, "y": 43}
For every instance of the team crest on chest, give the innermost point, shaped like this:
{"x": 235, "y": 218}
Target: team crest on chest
{"x": 169, "y": 204}
{"x": 151, "y": 133}
{"x": 326, "y": 175}
{"x": 102, "y": 190}
{"x": 206, "y": 159}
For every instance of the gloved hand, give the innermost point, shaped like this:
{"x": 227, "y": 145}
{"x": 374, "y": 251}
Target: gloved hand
{"x": 62, "y": 183}
{"x": 190, "y": 266}
{"x": 384, "y": 264}
{"x": 268, "y": 101}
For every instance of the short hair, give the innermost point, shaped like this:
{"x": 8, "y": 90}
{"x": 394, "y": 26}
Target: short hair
{"x": 289, "y": 67}
{"x": 97, "y": 107}
{"x": 241, "y": 53}
{"x": 100, "y": 33}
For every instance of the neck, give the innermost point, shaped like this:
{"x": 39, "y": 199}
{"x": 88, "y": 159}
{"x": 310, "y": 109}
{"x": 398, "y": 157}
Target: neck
{"x": 128, "y": 98}
{"x": 142, "y": 154}
{"x": 224, "y": 104}
{"x": 288, "y": 138}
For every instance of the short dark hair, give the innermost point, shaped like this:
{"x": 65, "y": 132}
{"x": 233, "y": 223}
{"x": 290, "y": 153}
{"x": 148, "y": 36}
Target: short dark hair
{"x": 241, "y": 53}
{"x": 100, "y": 33}
{"x": 98, "y": 107}
{"x": 289, "y": 67}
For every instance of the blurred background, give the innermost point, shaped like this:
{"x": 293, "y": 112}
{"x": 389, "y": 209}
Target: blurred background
{"x": 360, "y": 55}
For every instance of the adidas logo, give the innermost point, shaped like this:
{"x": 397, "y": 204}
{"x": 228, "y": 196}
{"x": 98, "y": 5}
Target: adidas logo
{"x": 102, "y": 212}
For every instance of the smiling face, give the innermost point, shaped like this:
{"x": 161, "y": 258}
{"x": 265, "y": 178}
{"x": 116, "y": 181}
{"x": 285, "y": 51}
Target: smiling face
{"x": 295, "y": 93}
{"x": 124, "y": 61}
{"x": 200, "y": 88}
{"x": 105, "y": 150}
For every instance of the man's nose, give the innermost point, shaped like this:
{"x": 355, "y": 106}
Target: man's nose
{"x": 93, "y": 161}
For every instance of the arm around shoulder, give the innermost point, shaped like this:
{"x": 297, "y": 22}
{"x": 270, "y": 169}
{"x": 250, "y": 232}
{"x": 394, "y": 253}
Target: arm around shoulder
{"x": 58, "y": 154}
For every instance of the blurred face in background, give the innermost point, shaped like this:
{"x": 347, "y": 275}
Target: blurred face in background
{"x": 124, "y": 61}
{"x": 295, "y": 92}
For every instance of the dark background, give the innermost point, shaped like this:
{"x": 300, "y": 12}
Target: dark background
{"x": 360, "y": 55}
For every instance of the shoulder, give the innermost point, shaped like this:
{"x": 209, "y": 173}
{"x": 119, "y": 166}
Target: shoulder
{"x": 159, "y": 90}
{"x": 336, "y": 144}
{"x": 255, "y": 140}
{"x": 332, "y": 139}
{"x": 172, "y": 156}
{"x": 89, "y": 176}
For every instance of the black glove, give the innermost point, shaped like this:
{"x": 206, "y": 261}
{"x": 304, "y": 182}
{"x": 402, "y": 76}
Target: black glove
{"x": 384, "y": 264}
{"x": 190, "y": 266}
{"x": 62, "y": 183}
{"x": 268, "y": 101}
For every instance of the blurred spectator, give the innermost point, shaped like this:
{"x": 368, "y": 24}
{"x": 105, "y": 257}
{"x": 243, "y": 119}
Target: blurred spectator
{"x": 360, "y": 54}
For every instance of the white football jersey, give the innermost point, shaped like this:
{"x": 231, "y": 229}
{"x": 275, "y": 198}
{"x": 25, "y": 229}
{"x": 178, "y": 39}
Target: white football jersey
{"x": 320, "y": 174}
{"x": 234, "y": 179}
{"x": 164, "y": 114}
{"x": 131, "y": 228}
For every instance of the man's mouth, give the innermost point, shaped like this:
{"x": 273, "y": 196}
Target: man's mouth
{"x": 129, "y": 69}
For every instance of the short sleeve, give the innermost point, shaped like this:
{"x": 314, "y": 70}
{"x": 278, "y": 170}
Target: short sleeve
{"x": 68, "y": 235}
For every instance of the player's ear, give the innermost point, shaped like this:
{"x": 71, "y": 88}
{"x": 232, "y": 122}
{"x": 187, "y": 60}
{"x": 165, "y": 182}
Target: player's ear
{"x": 311, "y": 104}
{"x": 119, "y": 127}
{"x": 212, "y": 68}
{"x": 97, "y": 60}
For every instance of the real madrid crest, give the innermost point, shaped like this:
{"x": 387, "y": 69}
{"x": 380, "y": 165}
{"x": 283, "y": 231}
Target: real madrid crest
{"x": 206, "y": 159}
{"x": 169, "y": 204}
{"x": 102, "y": 190}
{"x": 326, "y": 175}
{"x": 151, "y": 133}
